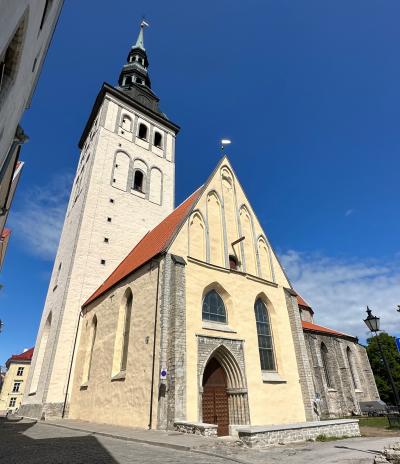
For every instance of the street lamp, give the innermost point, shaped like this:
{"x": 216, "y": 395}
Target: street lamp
{"x": 373, "y": 323}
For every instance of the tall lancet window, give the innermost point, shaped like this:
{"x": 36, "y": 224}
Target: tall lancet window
{"x": 353, "y": 369}
{"x": 264, "y": 334}
{"x": 325, "y": 365}
{"x": 125, "y": 336}
{"x": 89, "y": 350}
{"x": 213, "y": 308}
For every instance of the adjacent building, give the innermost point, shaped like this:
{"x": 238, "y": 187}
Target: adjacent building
{"x": 342, "y": 375}
{"x": 26, "y": 29}
{"x": 14, "y": 381}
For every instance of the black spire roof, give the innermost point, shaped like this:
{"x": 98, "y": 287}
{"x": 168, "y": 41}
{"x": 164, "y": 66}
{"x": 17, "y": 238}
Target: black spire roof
{"x": 134, "y": 80}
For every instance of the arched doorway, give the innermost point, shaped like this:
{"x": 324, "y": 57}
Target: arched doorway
{"x": 215, "y": 397}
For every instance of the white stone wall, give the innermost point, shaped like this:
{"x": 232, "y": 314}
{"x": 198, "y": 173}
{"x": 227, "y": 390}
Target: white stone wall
{"x": 33, "y": 47}
{"x": 96, "y": 211}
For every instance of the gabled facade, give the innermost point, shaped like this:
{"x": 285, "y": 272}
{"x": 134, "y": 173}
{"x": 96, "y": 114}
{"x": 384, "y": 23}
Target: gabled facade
{"x": 199, "y": 321}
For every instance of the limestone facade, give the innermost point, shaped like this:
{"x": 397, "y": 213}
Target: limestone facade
{"x": 105, "y": 218}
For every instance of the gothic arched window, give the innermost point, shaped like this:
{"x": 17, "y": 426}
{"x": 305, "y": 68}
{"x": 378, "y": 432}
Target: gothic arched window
{"x": 138, "y": 181}
{"x": 213, "y": 308}
{"x": 352, "y": 367}
{"x": 142, "y": 134}
{"x": 264, "y": 334}
{"x": 325, "y": 364}
{"x": 125, "y": 335}
{"x": 157, "y": 140}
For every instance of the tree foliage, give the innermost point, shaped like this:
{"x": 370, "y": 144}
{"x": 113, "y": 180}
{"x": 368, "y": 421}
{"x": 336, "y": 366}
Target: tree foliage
{"x": 389, "y": 348}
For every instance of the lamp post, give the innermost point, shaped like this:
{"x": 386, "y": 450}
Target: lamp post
{"x": 373, "y": 324}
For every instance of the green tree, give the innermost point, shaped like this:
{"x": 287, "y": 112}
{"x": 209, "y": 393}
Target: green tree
{"x": 389, "y": 348}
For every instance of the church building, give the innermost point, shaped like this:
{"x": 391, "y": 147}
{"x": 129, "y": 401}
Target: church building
{"x": 158, "y": 317}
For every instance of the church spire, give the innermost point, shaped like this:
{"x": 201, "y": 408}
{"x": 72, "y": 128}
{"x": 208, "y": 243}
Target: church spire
{"x": 134, "y": 79}
{"x": 140, "y": 39}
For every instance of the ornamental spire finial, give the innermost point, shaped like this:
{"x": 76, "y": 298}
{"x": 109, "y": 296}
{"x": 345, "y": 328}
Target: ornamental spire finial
{"x": 140, "y": 39}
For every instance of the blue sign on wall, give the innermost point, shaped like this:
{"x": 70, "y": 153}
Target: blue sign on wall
{"x": 398, "y": 343}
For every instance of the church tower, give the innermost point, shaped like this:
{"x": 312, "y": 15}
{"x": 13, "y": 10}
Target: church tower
{"x": 123, "y": 187}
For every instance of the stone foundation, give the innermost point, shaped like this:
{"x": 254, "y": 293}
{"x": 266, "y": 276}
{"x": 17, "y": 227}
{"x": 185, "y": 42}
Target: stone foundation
{"x": 390, "y": 455}
{"x": 196, "y": 428}
{"x": 39, "y": 411}
{"x": 263, "y": 436}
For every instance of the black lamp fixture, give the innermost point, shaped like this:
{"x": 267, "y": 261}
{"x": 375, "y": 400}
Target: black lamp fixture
{"x": 372, "y": 322}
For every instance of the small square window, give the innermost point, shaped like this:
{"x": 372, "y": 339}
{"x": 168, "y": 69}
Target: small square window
{"x": 108, "y": 219}
{"x": 103, "y": 261}
{"x": 111, "y": 200}
{"x": 106, "y": 240}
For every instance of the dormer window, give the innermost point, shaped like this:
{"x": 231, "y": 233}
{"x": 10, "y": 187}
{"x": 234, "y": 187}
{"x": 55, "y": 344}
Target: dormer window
{"x": 142, "y": 134}
{"x": 157, "y": 140}
{"x": 138, "y": 181}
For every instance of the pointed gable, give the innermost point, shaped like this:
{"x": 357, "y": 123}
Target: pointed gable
{"x": 223, "y": 230}
{"x": 152, "y": 244}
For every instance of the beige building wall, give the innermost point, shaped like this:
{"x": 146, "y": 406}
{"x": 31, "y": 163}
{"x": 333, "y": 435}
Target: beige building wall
{"x": 103, "y": 222}
{"x": 109, "y": 395}
{"x": 11, "y": 400}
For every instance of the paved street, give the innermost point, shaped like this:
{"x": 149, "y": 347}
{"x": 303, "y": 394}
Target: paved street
{"x": 29, "y": 443}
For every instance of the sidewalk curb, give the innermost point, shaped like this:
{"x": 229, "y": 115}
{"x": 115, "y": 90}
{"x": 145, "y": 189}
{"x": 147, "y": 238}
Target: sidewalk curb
{"x": 145, "y": 442}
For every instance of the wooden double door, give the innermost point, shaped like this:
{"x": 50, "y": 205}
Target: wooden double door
{"x": 215, "y": 397}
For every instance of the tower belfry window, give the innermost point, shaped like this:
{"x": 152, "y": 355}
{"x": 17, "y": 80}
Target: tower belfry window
{"x": 142, "y": 134}
{"x": 157, "y": 140}
{"x": 138, "y": 181}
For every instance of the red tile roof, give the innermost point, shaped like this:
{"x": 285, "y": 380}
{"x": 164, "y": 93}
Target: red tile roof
{"x": 25, "y": 356}
{"x": 311, "y": 327}
{"x": 303, "y": 303}
{"x": 152, "y": 244}
{"x": 6, "y": 232}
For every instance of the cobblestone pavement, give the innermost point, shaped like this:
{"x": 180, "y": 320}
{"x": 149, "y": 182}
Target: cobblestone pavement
{"x": 28, "y": 443}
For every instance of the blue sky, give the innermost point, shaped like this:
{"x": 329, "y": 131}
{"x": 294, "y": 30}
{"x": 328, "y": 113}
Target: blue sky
{"x": 307, "y": 91}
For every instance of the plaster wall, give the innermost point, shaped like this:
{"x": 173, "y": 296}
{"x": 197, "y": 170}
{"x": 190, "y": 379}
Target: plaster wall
{"x": 7, "y": 390}
{"x": 119, "y": 398}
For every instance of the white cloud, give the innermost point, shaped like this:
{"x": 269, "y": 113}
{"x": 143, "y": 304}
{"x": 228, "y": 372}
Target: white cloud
{"x": 37, "y": 223}
{"x": 340, "y": 289}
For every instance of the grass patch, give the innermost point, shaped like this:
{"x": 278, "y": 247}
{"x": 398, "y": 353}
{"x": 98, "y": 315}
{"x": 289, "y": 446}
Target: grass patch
{"x": 379, "y": 422}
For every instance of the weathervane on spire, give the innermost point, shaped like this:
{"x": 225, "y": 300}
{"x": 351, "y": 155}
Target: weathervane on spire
{"x": 140, "y": 39}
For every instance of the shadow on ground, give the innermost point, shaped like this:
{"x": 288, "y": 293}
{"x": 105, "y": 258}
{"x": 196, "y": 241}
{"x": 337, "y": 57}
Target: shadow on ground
{"x": 17, "y": 447}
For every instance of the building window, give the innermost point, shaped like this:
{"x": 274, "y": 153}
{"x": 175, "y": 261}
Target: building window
{"x": 213, "y": 308}
{"x": 89, "y": 350}
{"x": 157, "y": 140}
{"x": 103, "y": 261}
{"x": 139, "y": 81}
{"x": 111, "y": 200}
{"x": 10, "y": 58}
{"x": 264, "y": 334}
{"x": 352, "y": 367}
{"x": 125, "y": 337}
{"x": 233, "y": 262}
{"x": 20, "y": 371}
{"x": 106, "y": 240}
{"x": 142, "y": 134}
{"x": 138, "y": 180}
{"x": 13, "y": 400}
{"x": 16, "y": 387}
{"x": 108, "y": 219}
{"x": 325, "y": 365}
